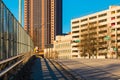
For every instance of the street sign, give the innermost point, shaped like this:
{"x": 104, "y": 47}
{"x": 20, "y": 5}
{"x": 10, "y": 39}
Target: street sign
{"x": 107, "y": 38}
{"x": 77, "y": 41}
{"x": 115, "y": 49}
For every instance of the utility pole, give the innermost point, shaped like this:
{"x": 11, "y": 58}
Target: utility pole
{"x": 20, "y": 11}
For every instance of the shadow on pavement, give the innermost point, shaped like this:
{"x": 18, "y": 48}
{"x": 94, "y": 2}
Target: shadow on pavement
{"x": 42, "y": 69}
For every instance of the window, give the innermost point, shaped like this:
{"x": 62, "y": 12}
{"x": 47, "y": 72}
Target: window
{"x": 92, "y": 23}
{"x": 74, "y": 22}
{"x": 102, "y": 26}
{"x": 118, "y": 10}
{"x": 113, "y": 12}
{"x": 118, "y": 40}
{"x": 113, "y": 41}
{"x": 101, "y": 32}
{"x": 118, "y": 35}
{"x": 75, "y": 31}
{"x": 103, "y": 20}
{"x": 112, "y": 24}
{"x": 74, "y": 55}
{"x": 75, "y": 36}
{"x": 84, "y": 25}
{"x": 112, "y": 35}
{"x": 84, "y": 20}
{"x": 112, "y": 18}
{"x": 118, "y": 28}
{"x": 112, "y": 30}
{"x": 101, "y": 15}
{"x": 83, "y": 30}
{"x": 118, "y": 23}
{"x": 74, "y": 51}
{"x": 118, "y": 17}
{"x": 93, "y": 28}
{"x": 92, "y": 17}
{"x": 84, "y": 35}
{"x": 74, "y": 27}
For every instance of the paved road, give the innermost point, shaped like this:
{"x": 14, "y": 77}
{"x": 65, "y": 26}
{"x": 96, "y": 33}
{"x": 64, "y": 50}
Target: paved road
{"x": 43, "y": 69}
{"x": 94, "y": 69}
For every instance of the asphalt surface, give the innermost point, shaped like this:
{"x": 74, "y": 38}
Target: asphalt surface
{"x": 93, "y": 69}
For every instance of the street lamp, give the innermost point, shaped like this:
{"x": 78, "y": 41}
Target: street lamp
{"x": 107, "y": 38}
{"x": 116, "y": 48}
{"x": 20, "y": 11}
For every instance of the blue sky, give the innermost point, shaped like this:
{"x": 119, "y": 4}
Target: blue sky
{"x": 72, "y": 9}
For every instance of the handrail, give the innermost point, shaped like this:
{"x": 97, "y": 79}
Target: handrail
{"x": 9, "y": 59}
{"x": 9, "y": 68}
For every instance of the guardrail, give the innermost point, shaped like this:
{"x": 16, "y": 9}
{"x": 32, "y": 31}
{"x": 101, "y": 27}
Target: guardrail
{"x": 10, "y": 63}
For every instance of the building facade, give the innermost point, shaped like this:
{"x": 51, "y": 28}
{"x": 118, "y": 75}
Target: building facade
{"x": 43, "y": 20}
{"x": 103, "y": 27}
{"x": 62, "y": 46}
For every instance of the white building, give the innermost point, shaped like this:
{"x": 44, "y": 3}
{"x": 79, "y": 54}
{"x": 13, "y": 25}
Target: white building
{"x": 104, "y": 24}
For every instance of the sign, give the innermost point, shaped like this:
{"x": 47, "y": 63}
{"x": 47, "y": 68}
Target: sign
{"x": 77, "y": 41}
{"x": 115, "y": 49}
{"x": 107, "y": 38}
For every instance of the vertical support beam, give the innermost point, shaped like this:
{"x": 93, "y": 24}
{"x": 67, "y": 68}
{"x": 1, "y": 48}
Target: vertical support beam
{"x": 20, "y": 11}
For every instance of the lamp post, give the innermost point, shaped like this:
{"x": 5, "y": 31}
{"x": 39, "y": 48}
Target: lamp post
{"x": 20, "y": 11}
{"x": 116, "y": 47}
{"x": 107, "y": 39}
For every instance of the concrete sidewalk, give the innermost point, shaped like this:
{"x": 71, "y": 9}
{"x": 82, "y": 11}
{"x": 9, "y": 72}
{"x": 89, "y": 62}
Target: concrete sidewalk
{"x": 43, "y": 70}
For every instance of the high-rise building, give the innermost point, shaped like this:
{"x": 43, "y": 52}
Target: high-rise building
{"x": 43, "y": 20}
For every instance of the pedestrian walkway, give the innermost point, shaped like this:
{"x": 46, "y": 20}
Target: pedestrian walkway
{"x": 43, "y": 69}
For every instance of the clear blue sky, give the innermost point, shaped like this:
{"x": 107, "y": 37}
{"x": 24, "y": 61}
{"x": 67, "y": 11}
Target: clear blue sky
{"x": 72, "y": 9}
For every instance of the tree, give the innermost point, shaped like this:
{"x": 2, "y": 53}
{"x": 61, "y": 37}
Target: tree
{"x": 90, "y": 42}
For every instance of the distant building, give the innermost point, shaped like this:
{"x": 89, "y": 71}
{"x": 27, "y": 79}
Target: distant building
{"x": 62, "y": 46}
{"x": 43, "y": 20}
{"x": 103, "y": 25}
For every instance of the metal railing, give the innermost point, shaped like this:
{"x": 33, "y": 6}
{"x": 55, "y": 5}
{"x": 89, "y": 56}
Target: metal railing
{"x": 10, "y": 63}
{"x": 14, "y": 41}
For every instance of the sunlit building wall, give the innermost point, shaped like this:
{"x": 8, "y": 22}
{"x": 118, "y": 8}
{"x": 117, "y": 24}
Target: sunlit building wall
{"x": 43, "y": 20}
{"x": 62, "y": 46}
{"x": 103, "y": 23}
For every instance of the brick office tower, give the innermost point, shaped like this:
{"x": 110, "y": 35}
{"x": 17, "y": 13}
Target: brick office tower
{"x": 43, "y": 20}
